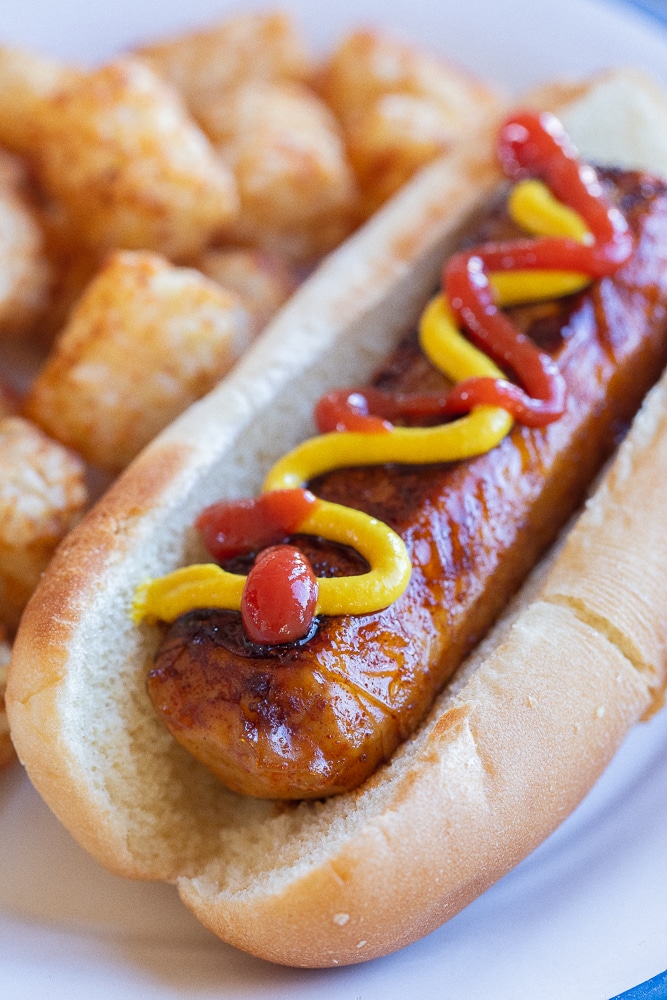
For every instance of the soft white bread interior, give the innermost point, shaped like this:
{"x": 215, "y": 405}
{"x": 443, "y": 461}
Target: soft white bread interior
{"x": 616, "y": 118}
{"x": 512, "y": 746}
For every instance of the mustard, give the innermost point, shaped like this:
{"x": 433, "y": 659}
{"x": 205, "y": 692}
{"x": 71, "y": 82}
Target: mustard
{"x": 533, "y": 206}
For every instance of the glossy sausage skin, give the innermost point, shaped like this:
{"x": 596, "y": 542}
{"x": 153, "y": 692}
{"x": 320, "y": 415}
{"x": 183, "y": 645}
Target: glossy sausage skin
{"x": 318, "y": 718}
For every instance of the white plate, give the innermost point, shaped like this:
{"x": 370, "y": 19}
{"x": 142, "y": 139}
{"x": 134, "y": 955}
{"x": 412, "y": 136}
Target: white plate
{"x": 585, "y": 916}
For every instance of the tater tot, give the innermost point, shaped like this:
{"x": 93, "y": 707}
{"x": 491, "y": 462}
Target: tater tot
{"x": 262, "y": 282}
{"x": 369, "y": 64}
{"x": 297, "y": 190}
{"x": 400, "y": 106}
{"x": 144, "y": 341}
{"x": 132, "y": 169}
{"x": 25, "y": 274}
{"x": 26, "y": 81}
{"x": 204, "y": 64}
{"x": 6, "y": 748}
{"x": 391, "y": 140}
{"x": 42, "y": 495}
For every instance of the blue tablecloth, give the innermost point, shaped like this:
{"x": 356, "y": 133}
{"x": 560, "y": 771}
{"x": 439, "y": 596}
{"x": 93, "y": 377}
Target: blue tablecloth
{"x": 654, "y": 989}
{"x": 655, "y": 8}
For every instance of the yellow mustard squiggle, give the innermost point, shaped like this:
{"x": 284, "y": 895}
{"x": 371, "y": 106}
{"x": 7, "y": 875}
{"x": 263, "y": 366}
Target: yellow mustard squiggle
{"x": 206, "y": 585}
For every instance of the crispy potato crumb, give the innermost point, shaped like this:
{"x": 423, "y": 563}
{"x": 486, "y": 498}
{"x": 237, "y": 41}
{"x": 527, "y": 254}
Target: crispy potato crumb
{"x": 132, "y": 169}
{"x": 42, "y": 495}
{"x": 144, "y": 341}
{"x": 297, "y": 189}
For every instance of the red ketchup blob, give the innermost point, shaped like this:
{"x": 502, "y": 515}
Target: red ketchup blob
{"x": 279, "y": 597}
{"x": 235, "y": 527}
{"x": 280, "y": 593}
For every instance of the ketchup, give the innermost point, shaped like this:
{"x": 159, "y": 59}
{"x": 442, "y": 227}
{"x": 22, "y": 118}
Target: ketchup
{"x": 537, "y": 145}
{"x": 532, "y": 145}
{"x": 513, "y": 380}
{"x": 279, "y": 596}
{"x": 236, "y": 527}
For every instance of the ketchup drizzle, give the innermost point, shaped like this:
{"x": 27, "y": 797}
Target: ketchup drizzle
{"x": 529, "y": 145}
{"x": 280, "y": 594}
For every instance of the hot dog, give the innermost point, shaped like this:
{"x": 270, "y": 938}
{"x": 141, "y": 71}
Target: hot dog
{"x": 285, "y": 722}
{"x": 476, "y": 787}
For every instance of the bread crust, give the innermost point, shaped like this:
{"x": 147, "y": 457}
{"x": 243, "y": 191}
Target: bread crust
{"x": 507, "y": 753}
{"x": 502, "y": 766}
{"x": 505, "y": 760}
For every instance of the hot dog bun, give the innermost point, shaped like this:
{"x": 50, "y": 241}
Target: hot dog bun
{"x": 509, "y": 749}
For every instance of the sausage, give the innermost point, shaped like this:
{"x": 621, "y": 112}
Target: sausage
{"x": 318, "y": 717}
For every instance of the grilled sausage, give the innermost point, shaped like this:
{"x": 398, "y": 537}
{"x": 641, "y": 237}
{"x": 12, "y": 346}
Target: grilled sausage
{"x": 318, "y": 717}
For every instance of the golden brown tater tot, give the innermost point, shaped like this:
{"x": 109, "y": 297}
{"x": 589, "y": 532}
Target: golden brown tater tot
{"x": 26, "y": 81}
{"x": 297, "y": 190}
{"x": 132, "y": 169}
{"x": 204, "y": 64}
{"x": 42, "y": 495}
{"x": 400, "y": 107}
{"x": 143, "y": 342}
